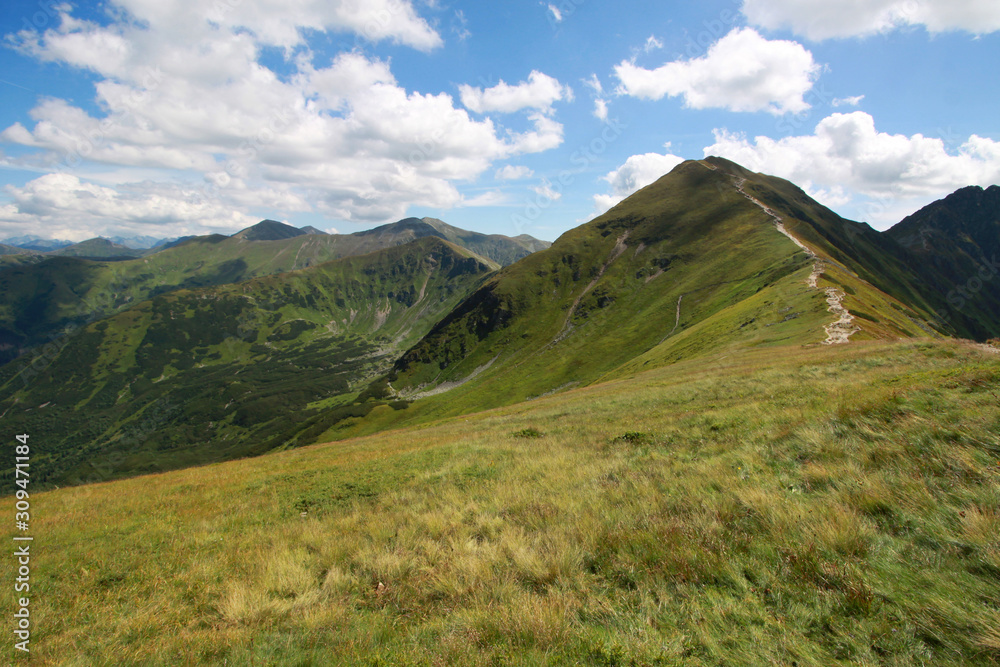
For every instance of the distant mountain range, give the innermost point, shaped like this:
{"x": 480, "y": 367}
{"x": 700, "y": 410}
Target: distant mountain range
{"x": 279, "y": 337}
{"x": 39, "y": 244}
{"x": 44, "y": 293}
{"x": 502, "y": 249}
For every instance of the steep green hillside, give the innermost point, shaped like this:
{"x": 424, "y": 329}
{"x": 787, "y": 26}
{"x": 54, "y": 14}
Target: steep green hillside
{"x": 683, "y": 267}
{"x": 853, "y": 247}
{"x": 219, "y": 373}
{"x": 813, "y": 506}
{"x": 957, "y": 245}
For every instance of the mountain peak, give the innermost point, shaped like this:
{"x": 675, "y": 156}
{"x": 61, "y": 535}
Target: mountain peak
{"x": 269, "y": 230}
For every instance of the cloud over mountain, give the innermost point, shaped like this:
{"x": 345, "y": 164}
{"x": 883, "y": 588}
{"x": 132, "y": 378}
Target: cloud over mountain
{"x": 743, "y": 71}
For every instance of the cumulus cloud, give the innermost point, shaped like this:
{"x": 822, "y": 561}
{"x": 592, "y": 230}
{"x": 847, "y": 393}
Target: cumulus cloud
{"x": 63, "y": 206}
{"x": 601, "y": 109}
{"x": 183, "y": 92}
{"x": 510, "y": 172}
{"x": 824, "y": 19}
{"x": 539, "y": 92}
{"x": 652, "y": 44}
{"x": 881, "y": 176}
{"x": 741, "y": 72}
{"x": 637, "y": 172}
{"x": 556, "y": 15}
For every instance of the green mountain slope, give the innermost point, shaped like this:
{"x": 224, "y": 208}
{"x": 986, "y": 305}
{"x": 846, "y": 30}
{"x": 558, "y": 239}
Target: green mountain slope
{"x": 14, "y": 250}
{"x": 218, "y": 373}
{"x": 685, "y": 266}
{"x": 956, "y": 242}
{"x": 501, "y": 249}
{"x": 269, "y": 230}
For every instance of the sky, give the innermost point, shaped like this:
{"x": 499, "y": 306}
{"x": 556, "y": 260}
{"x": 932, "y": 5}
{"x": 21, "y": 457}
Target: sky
{"x": 167, "y": 118}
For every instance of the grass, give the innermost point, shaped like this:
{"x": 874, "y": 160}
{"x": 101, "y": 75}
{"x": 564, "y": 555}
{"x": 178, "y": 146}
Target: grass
{"x": 809, "y": 506}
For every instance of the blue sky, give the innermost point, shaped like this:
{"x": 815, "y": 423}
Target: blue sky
{"x": 172, "y": 117}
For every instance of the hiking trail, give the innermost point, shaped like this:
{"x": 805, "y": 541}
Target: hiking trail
{"x": 843, "y": 327}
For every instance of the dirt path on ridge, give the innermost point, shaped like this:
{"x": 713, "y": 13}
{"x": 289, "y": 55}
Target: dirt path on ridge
{"x": 843, "y": 327}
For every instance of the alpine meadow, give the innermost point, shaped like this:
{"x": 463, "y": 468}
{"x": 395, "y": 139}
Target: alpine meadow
{"x": 290, "y": 375}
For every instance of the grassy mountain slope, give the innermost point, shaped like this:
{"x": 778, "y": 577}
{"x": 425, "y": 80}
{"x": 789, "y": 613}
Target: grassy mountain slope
{"x": 818, "y": 506}
{"x": 14, "y": 250}
{"x": 223, "y": 372}
{"x": 879, "y": 259}
{"x": 957, "y": 243}
{"x": 610, "y": 291}
{"x": 269, "y": 230}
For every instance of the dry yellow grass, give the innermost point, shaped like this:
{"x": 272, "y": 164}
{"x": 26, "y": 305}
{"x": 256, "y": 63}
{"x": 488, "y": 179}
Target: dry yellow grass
{"x": 823, "y": 506}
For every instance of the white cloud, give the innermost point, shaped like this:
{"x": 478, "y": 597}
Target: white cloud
{"x": 741, "y": 72}
{"x": 601, "y": 109}
{"x": 637, "y": 172}
{"x": 556, "y": 14}
{"x": 510, "y": 172}
{"x": 881, "y": 176}
{"x": 848, "y": 101}
{"x": 824, "y": 19}
{"x": 183, "y": 96}
{"x": 460, "y": 26}
{"x": 539, "y": 92}
{"x": 652, "y": 44}
{"x": 545, "y": 191}
{"x": 594, "y": 84}
{"x": 547, "y": 134}
{"x": 489, "y": 198}
{"x": 63, "y": 206}
{"x": 600, "y": 104}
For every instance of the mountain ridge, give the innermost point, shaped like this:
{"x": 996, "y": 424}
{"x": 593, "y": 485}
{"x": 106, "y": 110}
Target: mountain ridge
{"x": 849, "y": 281}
